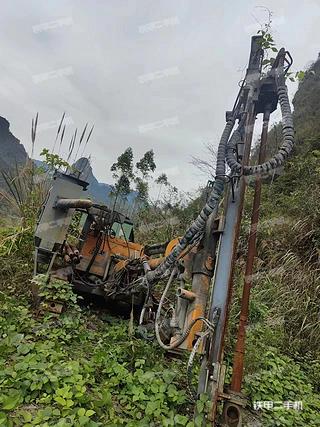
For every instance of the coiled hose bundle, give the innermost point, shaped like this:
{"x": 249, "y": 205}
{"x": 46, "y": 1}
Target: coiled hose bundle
{"x": 226, "y": 156}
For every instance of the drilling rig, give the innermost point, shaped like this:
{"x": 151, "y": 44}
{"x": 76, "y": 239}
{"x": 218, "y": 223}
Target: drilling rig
{"x": 199, "y": 266}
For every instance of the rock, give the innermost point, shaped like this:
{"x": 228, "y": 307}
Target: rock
{"x": 12, "y": 152}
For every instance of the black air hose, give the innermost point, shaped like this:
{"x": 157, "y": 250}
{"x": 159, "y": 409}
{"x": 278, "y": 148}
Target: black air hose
{"x": 287, "y": 134}
{"x": 199, "y": 223}
{"x": 226, "y": 155}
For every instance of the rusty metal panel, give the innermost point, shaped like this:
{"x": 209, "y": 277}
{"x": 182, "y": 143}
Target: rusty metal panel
{"x": 53, "y": 223}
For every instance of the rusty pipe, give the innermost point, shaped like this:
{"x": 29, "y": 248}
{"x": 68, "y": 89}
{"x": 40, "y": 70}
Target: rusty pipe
{"x": 232, "y": 415}
{"x": 69, "y": 250}
{"x": 185, "y": 294}
{"x": 238, "y": 360}
{"x": 75, "y": 250}
{"x": 65, "y": 204}
{"x": 67, "y": 259}
{"x": 202, "y": 272}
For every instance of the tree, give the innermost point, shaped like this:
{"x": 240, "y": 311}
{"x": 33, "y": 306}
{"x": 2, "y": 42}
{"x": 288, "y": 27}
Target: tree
{"x": 206, "y": 165}
{"x": 123, "y": 165}
{"x": 125, "y": 174}
{"x": 122, "y": 172}
{"x": 145, "y": 166}
{"x": 162, "y": 180}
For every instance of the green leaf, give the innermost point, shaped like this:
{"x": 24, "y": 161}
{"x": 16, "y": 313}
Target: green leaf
{"x": 12, "y": 401}
{"x": 69, "y": 403}
{"x": 200, "y": 406}
{"x": 198, "y": 421}
{"x": 181, "y": 420}
{"x": 3, "y": 418}
{"x": 27, "y": 416}
{"x": 81, "y": 412}
{"x": 60, "y": 400}
{"x": 83, "y": 420}
{"x": 300, "y": 75}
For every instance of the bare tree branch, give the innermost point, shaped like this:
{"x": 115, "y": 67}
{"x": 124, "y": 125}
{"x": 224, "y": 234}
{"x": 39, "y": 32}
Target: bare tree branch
{"x": 206, "y": 164}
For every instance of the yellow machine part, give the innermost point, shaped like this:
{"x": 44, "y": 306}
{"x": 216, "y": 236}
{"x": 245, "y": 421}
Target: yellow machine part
{"x": 171, "y": 246}
{"x": 114, "y": 246}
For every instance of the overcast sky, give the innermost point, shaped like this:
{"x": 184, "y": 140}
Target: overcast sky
{"x": 148, "y": 73}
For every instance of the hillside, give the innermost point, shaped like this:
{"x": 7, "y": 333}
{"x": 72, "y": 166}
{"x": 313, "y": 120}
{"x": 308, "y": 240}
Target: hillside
{"x": 12, "y": 151}
{"x": 306, "y": 105}
{"x": 99, "y": 191}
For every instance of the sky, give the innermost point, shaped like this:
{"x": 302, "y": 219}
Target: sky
{"x": 148, "y": 74}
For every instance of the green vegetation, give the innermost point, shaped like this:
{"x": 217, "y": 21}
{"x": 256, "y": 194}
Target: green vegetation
{"x": 54, "y": 161}
{"x": 81, "y": 367}
{"x": 25, "y": 190}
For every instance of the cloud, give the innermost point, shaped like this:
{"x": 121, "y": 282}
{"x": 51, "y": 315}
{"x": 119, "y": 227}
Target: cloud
{"x": 189, "y": 56}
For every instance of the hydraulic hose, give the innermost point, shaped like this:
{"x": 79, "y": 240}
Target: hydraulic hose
{"x": 183, "y": 336}
{"x": 287, "y": 133}
{"x": 193, "y": 393}
{"x": 199, "y": 223}
{"x": 226, "y": 155}
{"x": 209, "y": 331}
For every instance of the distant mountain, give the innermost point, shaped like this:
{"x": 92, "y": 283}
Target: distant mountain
{"x": 99, "y": 191}
{"x": 11, "y": 151}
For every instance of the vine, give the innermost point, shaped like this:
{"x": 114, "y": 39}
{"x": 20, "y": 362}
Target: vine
{"x": 269, "y": 47}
